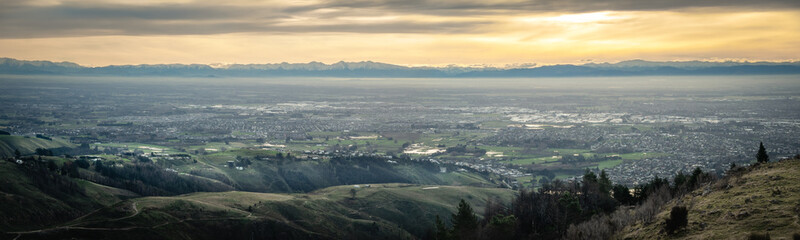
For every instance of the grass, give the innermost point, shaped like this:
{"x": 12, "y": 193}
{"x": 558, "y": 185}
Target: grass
{"x": 526, "y": 180}
{"x": 146, "y": 148}
{"x": 462, "y": 178}
{"x": 527, "y": 161}
{"x": 495, "y": 124}
{"x": 396, "y": 209}
{"x": 29, "y": 207}
{"x": 568, "y": 151}
{"x": 585, "y": 152}
{"x": 642, "y": 155}
{"x": 761, "y": 201}
{"x": 380, "y": 144}
{"x": 609, "y": 164}
{"x": 28, "y": 145}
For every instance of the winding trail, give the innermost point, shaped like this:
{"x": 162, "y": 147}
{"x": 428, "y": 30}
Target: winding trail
{"x": 73, "y": 223}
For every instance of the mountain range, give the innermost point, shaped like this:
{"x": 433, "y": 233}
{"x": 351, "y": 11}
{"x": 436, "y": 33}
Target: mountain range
{"x": 377, "y": 69}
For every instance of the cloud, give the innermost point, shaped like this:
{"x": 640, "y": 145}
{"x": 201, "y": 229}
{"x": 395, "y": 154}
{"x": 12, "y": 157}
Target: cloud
{"x": 488, "y": 6}
{"x": 60, "y": 18}
{"x": 69, "y": 19}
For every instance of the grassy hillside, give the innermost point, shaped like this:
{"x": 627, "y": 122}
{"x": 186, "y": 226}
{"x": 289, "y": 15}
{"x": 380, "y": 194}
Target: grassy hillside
{"x": 32, "y": 197}
{"x": 28, "y": 145}
{"x": 762, "y": 199}
{"x": 380, "y": 211}
{"x": 297, "y": 175}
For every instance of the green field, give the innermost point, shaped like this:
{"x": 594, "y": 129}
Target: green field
{"x": 28, "y": 145}
{"x": 146, "y": 148}
{"x": 585, "y": 153}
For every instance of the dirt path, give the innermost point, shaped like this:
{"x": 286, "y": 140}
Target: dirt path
{"x": 136, "y": 211}
{"x": 73, "y": 223}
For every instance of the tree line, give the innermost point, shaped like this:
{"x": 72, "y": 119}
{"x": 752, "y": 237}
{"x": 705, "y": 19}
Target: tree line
{"x": 592, "y": 208}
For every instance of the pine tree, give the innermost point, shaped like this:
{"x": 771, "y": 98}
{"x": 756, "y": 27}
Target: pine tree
{"x": 589, "y": 177}
{"x": 623, "y": 195}
{"x": 501, "y": 227}
{"x": 762, "y": 156}
{"x": 442, "y": 233}
{"x": 605, "y": 183}
{"x": 51, "y": 165}
{"x": 465, "y": 223}
{"x": 17, "y": 154}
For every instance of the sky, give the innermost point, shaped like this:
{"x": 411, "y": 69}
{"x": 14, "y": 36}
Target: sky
{"x": 404, "y": 32}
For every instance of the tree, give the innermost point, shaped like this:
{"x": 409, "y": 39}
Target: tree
{"x": 696, "y": 177}
{"x": 589, "y": 177}
{"x": 442, "y": 232}
{"x": 571, "y": 205}
{"x": 605, "y": 183}
{"x": 98, "y": 166}
{"x": 680, "y": 179}
{"x": 82, "y": 163}
{"x": 353, "y": 193}
{"x": 623, "y": 195}
{"x": 70, "y": 169}
{"x": 143, "y": 159}
{"x": 762, "y": 156}
{"x": 51, "y": 165}
{"x": 502, "y": 227}
{"x": 465, "y": 223}
{"x": 17, "y": 154}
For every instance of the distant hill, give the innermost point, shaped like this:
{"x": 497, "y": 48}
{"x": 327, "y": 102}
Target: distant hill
{"x": 306, "y": 176}
{"x": 28, "y": 145}
{"x": 381, "y": 211}
{"x": 376, "y": 69}
{"x": 760, "y": 200}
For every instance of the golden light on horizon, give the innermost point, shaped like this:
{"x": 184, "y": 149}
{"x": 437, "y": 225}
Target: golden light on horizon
{"x": 334, "y": 33}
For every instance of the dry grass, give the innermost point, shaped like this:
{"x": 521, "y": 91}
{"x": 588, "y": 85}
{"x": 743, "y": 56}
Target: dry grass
{"x": 764, "y": 199}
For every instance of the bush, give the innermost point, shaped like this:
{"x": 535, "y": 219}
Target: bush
{"x": 678, "y": 218}
{"x": 759, "y": 236}
{"x": 44, "y": 152}
{"x": 82, "y": 163}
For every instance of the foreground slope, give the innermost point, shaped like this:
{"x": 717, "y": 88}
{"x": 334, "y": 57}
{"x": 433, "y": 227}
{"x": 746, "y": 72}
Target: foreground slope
{"x": 31, "y": 197}
{"x": 760, "y": 199}
{"x": 379, "y": 211}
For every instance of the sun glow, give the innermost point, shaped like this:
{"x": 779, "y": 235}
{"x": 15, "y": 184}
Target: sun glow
{"x": 277, "y": 32}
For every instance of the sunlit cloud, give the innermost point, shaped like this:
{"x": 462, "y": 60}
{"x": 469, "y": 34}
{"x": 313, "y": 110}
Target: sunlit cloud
{"x": 403, "y": 32}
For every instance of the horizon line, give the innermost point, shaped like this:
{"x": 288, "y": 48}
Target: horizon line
{"x": 445, "y": 65}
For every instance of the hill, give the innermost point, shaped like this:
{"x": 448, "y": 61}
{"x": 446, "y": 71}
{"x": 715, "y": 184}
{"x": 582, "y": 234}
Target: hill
{"x": 383, "y": 70}
{"x": 28, "y": 145}
{"x": 303, "y": 175}
{"x": 760, "y": 199}
{"x": 378, "y": 211}
{"x": 33, "y": 197}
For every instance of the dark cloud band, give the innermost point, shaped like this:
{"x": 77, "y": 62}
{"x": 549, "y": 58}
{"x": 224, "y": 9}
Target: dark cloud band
{"x": 18, "y": 20}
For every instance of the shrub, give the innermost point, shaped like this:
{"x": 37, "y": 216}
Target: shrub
{"x": 758, "y": 236}
{"x": 678, "y": 218}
